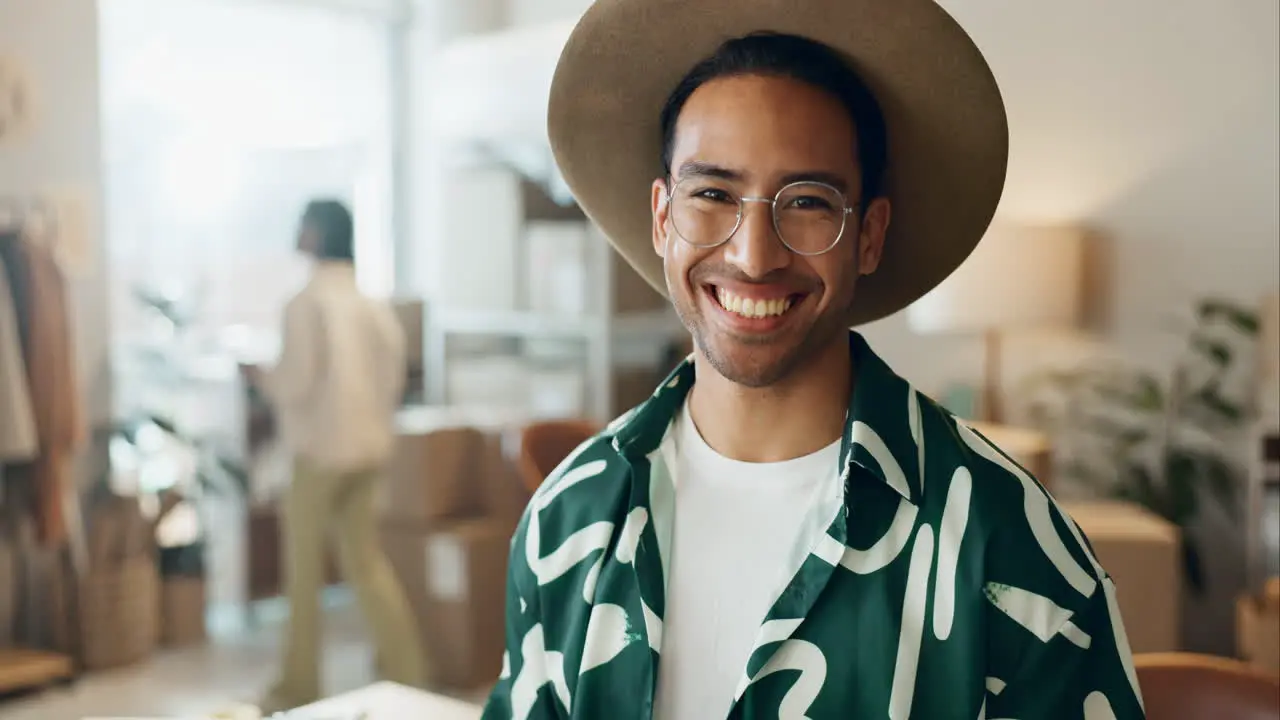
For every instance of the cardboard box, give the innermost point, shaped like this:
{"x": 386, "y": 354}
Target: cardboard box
{"x": 1143, "y": 554}
{"x": 452, "y": 463}
{"x": 454, "y": 576}
{"x": 1258, "y": 627}
{"x": 504, "y": 496}
{"x": 430, "y": 475}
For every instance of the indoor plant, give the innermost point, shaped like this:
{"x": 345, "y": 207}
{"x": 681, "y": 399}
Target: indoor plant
{"x": 1170, "y": 445}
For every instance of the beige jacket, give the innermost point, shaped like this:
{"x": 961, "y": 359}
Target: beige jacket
{"x": 341, "y": 373}
{"x": 18, "y": 440}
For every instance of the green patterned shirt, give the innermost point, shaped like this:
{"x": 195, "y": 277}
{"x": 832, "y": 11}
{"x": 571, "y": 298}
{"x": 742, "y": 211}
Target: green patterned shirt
{"x": 944, "y": 582}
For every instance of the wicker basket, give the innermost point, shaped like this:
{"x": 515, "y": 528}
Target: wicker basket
{"x": 120, "y": 613}
{"x": 182, "y": 606}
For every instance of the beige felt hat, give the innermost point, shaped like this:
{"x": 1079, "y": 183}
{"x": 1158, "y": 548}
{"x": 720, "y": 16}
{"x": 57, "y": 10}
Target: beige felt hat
{"x": 947, "y": 131}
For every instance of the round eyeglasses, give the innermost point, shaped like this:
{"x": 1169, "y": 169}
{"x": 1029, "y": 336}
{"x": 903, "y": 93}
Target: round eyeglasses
{"x": 808, "y": 216}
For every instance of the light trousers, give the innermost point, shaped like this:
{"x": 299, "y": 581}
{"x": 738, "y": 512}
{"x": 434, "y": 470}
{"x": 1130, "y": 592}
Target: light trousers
{"x": 339, "y": 506}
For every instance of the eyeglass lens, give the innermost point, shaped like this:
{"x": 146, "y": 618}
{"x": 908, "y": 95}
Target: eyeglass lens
{"x": 809, "y": 217}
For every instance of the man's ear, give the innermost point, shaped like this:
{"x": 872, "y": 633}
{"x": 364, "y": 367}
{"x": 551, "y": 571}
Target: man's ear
{"x": 875, "y": 224}
{"x": 660, "y": 207}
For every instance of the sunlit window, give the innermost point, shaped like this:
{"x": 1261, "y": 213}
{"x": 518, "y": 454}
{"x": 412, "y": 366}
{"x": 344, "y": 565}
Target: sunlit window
{"x": 221, "y": 120}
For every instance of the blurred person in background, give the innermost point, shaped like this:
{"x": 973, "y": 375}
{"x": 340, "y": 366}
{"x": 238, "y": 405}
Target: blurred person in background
{"x": 335, "y": 390}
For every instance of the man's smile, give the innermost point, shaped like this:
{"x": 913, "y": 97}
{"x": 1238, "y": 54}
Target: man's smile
{"x": 754, "y": 308}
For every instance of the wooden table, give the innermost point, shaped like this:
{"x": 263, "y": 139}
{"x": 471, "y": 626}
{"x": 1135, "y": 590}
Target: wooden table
{"x": 388, "y": 701}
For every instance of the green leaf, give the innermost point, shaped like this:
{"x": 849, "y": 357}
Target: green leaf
{"x": 236, "y": 472}
{"x": 1215, "y": 350}
{"x": 1132, "y": 438}
{"x": 1088, "y": 475}
{"x": 1180, "y": 486}
{"x": 1148, "y": 396}
{"x": 1116, "y": 431}
{"x": 164, "y": 424}
{"x": 1210, "y": 399}
{"x": 1243, "y": 319}
{"x": 1223, "y": 483}
{"x": 1142, "y": 489}
{"x": 1192, "y": 567}
{"x": 1129, "y": 493}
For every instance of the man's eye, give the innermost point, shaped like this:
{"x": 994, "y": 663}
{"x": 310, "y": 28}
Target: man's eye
{"x": 809, "y": 202}
{"x": 713, "y": 194}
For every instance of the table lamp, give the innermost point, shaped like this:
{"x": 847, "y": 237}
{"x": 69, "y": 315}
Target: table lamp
{"x": 1018, "y": 278}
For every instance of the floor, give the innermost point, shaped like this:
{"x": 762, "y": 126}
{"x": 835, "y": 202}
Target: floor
{"x": 234, "y": 667}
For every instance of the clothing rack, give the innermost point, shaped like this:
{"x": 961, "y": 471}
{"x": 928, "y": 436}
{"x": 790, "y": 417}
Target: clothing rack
{"x": 34, "y": 220}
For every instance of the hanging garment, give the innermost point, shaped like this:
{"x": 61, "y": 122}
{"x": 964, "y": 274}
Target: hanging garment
{"x": 44, "y": 322}
{"x": 18, "y": 439}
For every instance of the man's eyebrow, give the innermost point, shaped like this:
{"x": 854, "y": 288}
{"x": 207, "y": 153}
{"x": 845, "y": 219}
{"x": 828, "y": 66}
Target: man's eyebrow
{"x": 699, "y": 168}
{"x": 829, "y": 178}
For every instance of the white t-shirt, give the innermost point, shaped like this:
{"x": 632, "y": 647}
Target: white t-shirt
{"x": 737, "y": 525}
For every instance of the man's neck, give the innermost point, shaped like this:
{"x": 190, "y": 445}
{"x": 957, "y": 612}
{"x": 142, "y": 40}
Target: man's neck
{"x": 793, "y": 418}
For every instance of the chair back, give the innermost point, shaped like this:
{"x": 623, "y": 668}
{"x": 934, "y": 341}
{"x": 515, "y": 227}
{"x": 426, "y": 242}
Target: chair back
{"x": 1188, "y": 686}
{"x": 545, "y": 444}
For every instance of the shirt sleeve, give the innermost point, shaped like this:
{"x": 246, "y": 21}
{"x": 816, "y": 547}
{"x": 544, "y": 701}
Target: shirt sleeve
{"x": 293, "y": 378}
{"x": 1079, "y": 666}
{"x": 522, "y": 692}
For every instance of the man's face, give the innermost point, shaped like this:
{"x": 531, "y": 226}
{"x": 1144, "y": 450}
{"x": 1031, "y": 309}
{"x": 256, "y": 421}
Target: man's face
{"x": 750, "y": 136}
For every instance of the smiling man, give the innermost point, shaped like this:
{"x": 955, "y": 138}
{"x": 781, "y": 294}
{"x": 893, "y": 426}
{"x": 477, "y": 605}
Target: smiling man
{"x": 787, "y": 529}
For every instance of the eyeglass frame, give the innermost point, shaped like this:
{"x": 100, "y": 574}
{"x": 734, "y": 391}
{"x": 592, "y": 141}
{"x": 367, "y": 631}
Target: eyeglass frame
{"x": 773, "y": 216}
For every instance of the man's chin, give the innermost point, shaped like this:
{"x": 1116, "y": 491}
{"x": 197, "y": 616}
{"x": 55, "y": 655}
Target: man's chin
{"x": 753, "y": 367}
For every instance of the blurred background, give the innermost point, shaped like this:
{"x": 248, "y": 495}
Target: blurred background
{"x": 161, "y": 153}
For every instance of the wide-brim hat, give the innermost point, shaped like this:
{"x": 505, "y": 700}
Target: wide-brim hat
{"x": 948, "y": 136}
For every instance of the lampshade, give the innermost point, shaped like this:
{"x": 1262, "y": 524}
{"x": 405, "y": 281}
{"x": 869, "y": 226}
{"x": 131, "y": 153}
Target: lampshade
{"x": 1018, "y": 277}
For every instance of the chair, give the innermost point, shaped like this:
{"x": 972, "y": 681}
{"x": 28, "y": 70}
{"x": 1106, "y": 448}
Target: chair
{"x": 1187, "y": 686}
{"x": 544, "y": 445}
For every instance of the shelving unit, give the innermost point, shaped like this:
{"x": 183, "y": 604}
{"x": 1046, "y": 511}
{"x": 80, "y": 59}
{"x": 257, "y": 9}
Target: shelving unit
{"x": 601, "y": 333}
{"x": 493, "y": 115}
{"x": 603, "y": 328}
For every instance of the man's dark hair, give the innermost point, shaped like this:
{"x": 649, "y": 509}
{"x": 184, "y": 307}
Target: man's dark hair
{"x": 332, "y": 222}
{"x": 798, "y": 58}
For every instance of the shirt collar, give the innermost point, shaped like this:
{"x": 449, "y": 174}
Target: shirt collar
{"x": 882, "y": 428}
{"x": 326, "y": 271}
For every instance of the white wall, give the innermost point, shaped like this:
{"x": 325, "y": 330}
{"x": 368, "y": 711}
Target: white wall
{"x": 435, "y": 22}
{"x": 212, "y": 149}
{"x": 1153, "y": 122}
{"x": 56, "y": 42}
{"x": 524, "y": 12}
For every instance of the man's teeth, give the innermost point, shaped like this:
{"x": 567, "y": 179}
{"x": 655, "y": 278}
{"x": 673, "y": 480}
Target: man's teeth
{"x": 750, "y": 308}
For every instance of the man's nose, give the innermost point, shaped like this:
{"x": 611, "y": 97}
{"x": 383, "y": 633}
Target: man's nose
{"x": 755, "y": 248}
